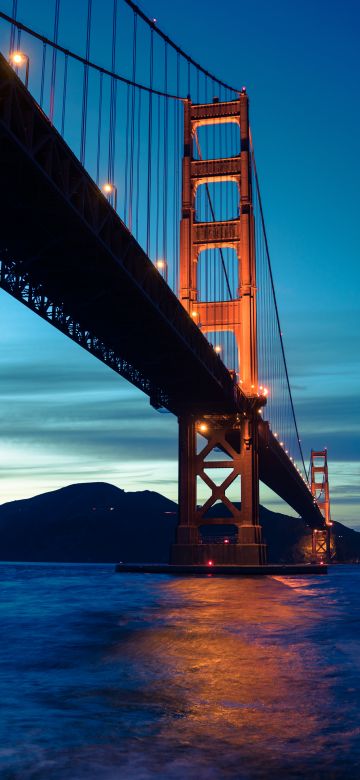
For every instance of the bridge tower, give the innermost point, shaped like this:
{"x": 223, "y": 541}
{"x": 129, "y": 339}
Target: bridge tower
{"x": 229, "y": 442}
{"x": 321, "y": 538}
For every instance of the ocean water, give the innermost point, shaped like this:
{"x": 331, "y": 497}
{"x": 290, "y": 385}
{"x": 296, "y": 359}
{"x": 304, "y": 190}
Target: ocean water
{"x": 109, "y": 676}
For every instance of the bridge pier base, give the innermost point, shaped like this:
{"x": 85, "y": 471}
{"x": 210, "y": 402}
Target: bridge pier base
{"x": 321, "y": 545}
{"x": 218, "y": 453}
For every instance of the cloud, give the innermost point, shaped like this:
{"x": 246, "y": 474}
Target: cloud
{"x": 66, "y": 417}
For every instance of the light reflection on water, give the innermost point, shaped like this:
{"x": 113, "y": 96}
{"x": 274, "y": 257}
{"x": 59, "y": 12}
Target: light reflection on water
{"x": 143, "y": 676}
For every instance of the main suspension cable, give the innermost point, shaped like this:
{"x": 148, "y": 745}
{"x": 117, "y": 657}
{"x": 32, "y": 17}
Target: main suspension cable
{"x": 152, "y": 23}
{"x": 276, "y": 306}
{"x": 48, "y": 42}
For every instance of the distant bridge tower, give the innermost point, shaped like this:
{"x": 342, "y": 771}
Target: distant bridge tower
{"x": 231, "y": 441}
{"x": 321, "y": 540}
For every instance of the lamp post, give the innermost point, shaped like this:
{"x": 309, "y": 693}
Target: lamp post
{"x": 19, "y": 58}
{"x": 110, "y": 190}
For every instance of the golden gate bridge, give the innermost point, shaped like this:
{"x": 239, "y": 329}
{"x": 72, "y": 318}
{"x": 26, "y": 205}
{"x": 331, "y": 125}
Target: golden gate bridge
{"x": 132, "y": 221}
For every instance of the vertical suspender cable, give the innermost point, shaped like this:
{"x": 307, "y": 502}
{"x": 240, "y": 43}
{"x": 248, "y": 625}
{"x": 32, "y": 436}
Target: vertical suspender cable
{"x": 166, "y": 132}
{"x": 42, "y": 83}
{"x": 53, "y": 67}
{"x": 127, "y": 140}
{"x": 138, "y": 167}
{"x": 64, "y": 95}
{"x": 157, "y": 214}
{"x": 209, "y": 200}
{"x": 148, "y": 225}
{"x": 13, "y": 28}
{"x": 132, "y": 131}
{"x": 98, "y": 151}
{"x": 85, "y": 86}
{"x": 113, "y": 87}
{"x": 177, "y": 182}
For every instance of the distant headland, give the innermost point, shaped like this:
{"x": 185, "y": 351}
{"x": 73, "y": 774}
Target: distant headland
{"x": 99, "y": 523}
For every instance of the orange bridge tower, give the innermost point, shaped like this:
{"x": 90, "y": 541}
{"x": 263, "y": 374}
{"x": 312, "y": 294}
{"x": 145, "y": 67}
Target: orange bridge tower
{"x": 218, "y": 453}
{"x": 321, "y": 538}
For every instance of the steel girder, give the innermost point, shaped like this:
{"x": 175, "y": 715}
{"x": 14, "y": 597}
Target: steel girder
{"x": 78, "y": 255}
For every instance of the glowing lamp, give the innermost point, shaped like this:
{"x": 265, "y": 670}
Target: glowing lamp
{"x": 19, "y": 58}
{"x": 109, "y": 189}
{"x": 203, "y": 427}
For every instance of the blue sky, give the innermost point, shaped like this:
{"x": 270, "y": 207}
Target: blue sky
{"x": 66, "y": 418}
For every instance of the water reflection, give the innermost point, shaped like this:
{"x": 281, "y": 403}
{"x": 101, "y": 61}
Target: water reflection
{"x": 231, "y": 671}
{"x": 148, "y": 677}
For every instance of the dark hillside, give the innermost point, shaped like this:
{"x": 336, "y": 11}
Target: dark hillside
{"x": 97, "y": 522}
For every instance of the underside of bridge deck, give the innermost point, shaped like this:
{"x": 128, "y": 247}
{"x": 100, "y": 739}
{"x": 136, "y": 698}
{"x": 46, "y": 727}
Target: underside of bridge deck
{"x": 66, "y": 254}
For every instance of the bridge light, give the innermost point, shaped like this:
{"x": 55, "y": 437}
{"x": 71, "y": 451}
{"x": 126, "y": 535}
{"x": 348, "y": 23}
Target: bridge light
{"x": 19, "y": 58}
{"x": 276, "y": 435}
{"x": 160, "y": 264}
{"x": 226, "y": 541}
{"x": 203, "y": 427}
{"x": 266, "y": 392}
{"x": 217, "y": 348}
{"x": 162, "y": 267}
{"x": 287, "y": 452}
{"x": 110, "y": 190}
{"x": 281, "y": 444}
{"x": 194, "y": 314}
{"x": 210, "y": 563}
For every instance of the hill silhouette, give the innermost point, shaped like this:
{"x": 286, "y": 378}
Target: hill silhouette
{"x": 98, "y": 522}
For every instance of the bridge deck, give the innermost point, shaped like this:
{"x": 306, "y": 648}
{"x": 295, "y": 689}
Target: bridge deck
{"x": 73, "y": 255}
{"x": 67, "y": 255}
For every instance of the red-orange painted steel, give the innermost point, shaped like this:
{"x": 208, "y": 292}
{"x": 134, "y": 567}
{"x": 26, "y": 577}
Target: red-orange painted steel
{"x": 235, "y": 436}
